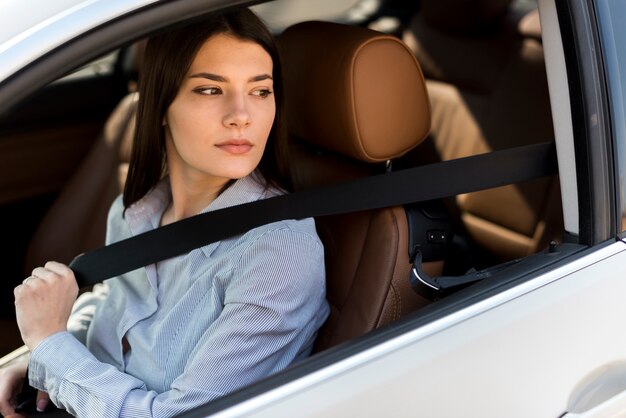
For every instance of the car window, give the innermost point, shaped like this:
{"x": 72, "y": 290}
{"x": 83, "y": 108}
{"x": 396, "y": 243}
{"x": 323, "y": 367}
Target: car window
{"x": 480, "y": 234}
{"x": 104, "y": 66}
{"x": 613, "y": 37}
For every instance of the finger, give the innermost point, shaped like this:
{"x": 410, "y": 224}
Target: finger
{"x": 44, "y": 273}
{"x": 6, "y": 409}
{"x": 7, "y": 405}
{"x": 28, "y": 279}
{"x": 58, "y": 268}
{"x": 42, "y": 400}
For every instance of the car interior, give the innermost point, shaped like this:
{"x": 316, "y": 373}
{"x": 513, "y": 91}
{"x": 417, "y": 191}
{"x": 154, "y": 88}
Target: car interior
{"x": 411, "y": 84}
{"x": 501, "y": 103}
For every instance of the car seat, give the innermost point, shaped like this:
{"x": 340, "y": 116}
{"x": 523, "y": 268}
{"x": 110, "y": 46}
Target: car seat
{"x": 356, "y": 100}
{"x": 487, "y": 84}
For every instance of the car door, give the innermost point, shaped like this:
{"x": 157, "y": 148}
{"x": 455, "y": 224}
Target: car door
{"x": 526, "y": 352}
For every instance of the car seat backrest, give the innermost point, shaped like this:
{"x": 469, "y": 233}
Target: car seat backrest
{"x": 488, "y": 89}
{"x": 355, "y": 99}
{"x": 76, "y": 221}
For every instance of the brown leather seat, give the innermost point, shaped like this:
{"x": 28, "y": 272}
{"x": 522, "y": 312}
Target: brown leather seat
{"x": 76, "y": 221}
{"x": 356, "y": 99}
{"x": 487, "y": 84}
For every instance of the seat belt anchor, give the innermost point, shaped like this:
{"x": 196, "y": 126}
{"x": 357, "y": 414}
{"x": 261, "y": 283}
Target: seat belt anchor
{"x": 435, "y": 288}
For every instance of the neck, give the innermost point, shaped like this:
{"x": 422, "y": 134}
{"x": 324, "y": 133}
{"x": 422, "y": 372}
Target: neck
{"x": 189, "y": 197}
{"x": 191, "y": 189}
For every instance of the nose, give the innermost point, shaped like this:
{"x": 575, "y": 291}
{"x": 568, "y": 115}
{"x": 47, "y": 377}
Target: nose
{"x": 237, "y": 115}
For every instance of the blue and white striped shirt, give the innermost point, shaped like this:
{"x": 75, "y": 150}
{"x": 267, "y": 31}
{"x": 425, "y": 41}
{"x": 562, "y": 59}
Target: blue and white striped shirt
{"x": 199, "y": 326}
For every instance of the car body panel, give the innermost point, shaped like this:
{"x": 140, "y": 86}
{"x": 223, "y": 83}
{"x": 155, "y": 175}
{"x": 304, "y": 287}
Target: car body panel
{"x": 509, "y": 355}
{"x": 56, "y": 27}
{"x": 16, "y": 23}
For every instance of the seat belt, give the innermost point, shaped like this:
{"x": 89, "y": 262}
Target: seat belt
{"x": 417, "y": 184}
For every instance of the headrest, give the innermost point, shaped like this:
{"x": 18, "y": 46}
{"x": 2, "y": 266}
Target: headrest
{"x": 530, "y": 25}
{"x": 353, "y": 90}
{"x": 474, "y": 60}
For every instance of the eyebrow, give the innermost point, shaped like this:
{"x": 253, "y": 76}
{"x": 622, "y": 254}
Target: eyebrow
{"x": 219, "y": 78}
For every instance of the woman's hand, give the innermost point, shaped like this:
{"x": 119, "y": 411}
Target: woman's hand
{"x": 11, "y": 382}
{"x": 43, "y": 302}
{"x": 12, "y": 378}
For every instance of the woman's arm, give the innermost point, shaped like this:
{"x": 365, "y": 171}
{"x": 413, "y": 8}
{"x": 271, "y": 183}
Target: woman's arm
{"x": 83, "y": 311}
{"x": 272, "y": 310}
{"x": 12, "y": 378}
{"x": 85, "y": 306}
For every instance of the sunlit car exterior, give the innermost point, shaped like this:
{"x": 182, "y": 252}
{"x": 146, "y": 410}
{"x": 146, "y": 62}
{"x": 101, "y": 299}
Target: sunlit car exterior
{"x": 541, "y": 338}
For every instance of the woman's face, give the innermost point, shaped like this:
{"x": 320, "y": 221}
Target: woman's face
{"x": 217, "y": 126}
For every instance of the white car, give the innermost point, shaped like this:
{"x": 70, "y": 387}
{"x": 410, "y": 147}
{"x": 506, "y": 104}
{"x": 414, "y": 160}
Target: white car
{"x": 458, "y": 301}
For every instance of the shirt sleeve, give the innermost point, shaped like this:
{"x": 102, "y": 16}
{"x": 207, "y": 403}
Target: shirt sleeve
{"x": 83, "y": 311}
{"x": 273, "y": 307}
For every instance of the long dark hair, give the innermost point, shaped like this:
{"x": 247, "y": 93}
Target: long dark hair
{"x": 167, "y": 59}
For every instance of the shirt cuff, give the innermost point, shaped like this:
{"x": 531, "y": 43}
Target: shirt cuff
{"x": 53, "y": 358}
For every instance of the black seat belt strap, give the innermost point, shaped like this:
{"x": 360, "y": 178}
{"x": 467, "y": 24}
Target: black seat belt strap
{"x": 429, "y": 182}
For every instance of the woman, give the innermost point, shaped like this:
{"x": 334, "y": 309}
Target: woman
{"x": 161, "y": 340}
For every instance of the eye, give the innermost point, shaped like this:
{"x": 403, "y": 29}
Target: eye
{"x": 262, "y": 93}
{"x": 209, "y": 91}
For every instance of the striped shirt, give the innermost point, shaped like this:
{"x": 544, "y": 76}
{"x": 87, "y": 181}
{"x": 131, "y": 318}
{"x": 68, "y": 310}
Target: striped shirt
{"x": 199, "y": 325}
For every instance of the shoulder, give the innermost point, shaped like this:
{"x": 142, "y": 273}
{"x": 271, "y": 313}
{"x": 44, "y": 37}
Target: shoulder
{"x": 288, "y": 251}
{"x": 281, "y": 261}
{"x": 117, "y": 228}
{"x": 116, "y": 211}
{"x": 284, "y": 232}
{"x": 304, "y": 229}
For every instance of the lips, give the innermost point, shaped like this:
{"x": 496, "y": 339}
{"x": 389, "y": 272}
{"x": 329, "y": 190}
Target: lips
{"x": 235, "y": 146}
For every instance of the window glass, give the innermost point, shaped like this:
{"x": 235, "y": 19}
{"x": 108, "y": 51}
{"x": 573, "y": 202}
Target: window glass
{"x": 613, "y": 37}
{"x": 101, "y": 66}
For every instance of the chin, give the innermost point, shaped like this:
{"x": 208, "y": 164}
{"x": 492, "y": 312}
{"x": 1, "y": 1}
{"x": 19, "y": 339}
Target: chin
{"x": 238, "y": 174}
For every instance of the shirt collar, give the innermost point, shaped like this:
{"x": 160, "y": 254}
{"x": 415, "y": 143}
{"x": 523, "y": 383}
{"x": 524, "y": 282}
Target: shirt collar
{"x": 145, "y": 214}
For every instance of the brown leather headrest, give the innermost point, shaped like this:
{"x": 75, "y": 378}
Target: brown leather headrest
{"x": 353, "y": 90}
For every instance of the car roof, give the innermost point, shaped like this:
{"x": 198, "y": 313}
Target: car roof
{"x": 29, "y": 32}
